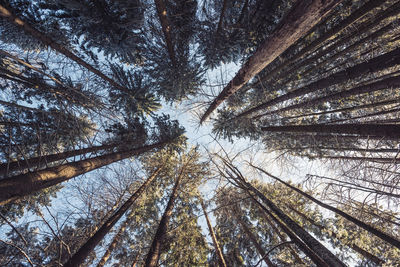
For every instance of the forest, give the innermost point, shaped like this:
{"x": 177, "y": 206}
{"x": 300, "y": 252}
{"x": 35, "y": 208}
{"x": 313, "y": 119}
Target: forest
{"x": 199, "y": 133}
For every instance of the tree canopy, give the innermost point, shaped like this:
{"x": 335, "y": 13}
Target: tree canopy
{"x": 103, "y": 106}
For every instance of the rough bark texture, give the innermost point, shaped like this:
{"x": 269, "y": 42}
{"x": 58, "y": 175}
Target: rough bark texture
{"x": 166, "y": 28}
{"x": 391, "y": 240}
{"x": 155, "y": 249}
{"x": 327, "y": 256}
{"x": 373, "y": 65}
{"x": 376, "y": 130}
{"x": 44, "y": 160}
{"x": 7, "y": 14}
{"x": 79, "y": 257}
{"x": 21, "y": 185}
{"x": 218, "y": 251}
{"x": 303, "y": 16}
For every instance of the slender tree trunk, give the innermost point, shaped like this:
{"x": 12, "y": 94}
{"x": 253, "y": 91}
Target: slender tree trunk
{"x": 391, "y": 240}
{"x": 79, "y": 257}
{"x": 254, "y": 240}
{"x": 218, "y": 251}
{"x": 42, "y": 37}
{"x": 356, "y": 248}
{"x": 326, "y": 36}
{"x": 353, "y": 149}
{"x": 372, "y": 36}
{"x": 314, "y": 255}
{"x": 155, "y": 249}
{"x": 377, "y": 130}
{"x": 392, "y": 82}
{"x": 166, "y": 28}
{"x": 221, "y": 16}
{"x": 281, "y": 237}
{"x": 303, "y": 16}
{"x": 373, "y": 65}
{"x": 376, "y": 104}
{"x": 375, "y": 159}
{"x": 308, "y": 239}
{"x": 21, "y": 185}
{"x": 113, "y": 244}
{"x": 41, "y": 161}
{"x": 368, "y": 115}
{"x": 359, "y": 31}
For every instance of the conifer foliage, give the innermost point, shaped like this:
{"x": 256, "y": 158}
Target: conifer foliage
{"x": 96, "y": 171}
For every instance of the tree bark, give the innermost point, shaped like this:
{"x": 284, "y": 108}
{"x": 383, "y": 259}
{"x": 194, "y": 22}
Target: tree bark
{"x": 391, "y": 240}
{"x": 303, "y": 16}
{"x": 282, "y": 237}
{"x": 376, "y": 130}
{"x": 46, "y": 159}
{"x": 326, "y": 36}
{"x": 253, "y": 240}
{"x": 314, "y": 255}
{"x": 155, "y": 249}
{"x": 376, "y": 104}
{"x": 392, "y": 82}
{"x": 221, "y": 259}
{"x": 113, "y": 244}
{"x": 166, "y": 28}
{"x": 221, "y": 16}
{"x": 79, "y": 257}
{"x": 359, "y": 31}
{"x": 21, "y": 185}
{"x": 7, "y": 14}
{"x": 356, "y": 248}
{"x": 373, "y": 65}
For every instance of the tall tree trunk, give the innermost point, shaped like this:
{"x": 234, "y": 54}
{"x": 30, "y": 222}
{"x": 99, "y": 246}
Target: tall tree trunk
{"x": 329, "y": 59}
{"x": 155, "y": 249}
{"x": 218, "y": 251}
{"x": 41, "y": 161}
{"x": 42, "y": 37}
{"x": 253, "y": 239}
{"x": 166, "y": 28}
{"x": 314, "y": 255}
{"x": 375, "y": 159}
{"x": 392, "y": 82}
{"x": 303, "y": 16}
{"x": 113, "y": 244}
{"x": 391, "y": 240}
{"x": 281, "y": 236}
{"x": 221, "y": 16}
{"x": 326, "y": 36}
{"x": 327, "y": 256}
{"x": 391, "y": 11}
{"x": 373, "y": 65}
{"x": 356, "y": 248}
{"x": 368, "y": 115}
{"x": 376, "y": 130}
{"x": 375, "y": 104}
{"x": 21, "y": 185}
{"x": 79, "y": 257}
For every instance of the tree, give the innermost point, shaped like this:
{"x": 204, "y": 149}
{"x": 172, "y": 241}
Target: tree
{"x": 79, "y": 257}
{"x": 301, "y": 19}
